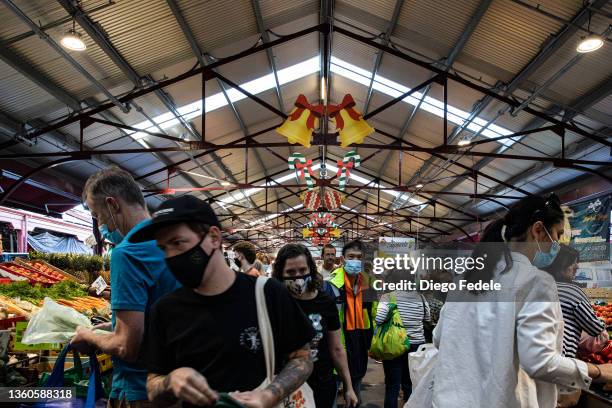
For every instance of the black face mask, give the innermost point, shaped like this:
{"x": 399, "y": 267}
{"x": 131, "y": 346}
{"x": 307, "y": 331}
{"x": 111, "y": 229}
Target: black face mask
{"x": 188, "y": 268}
{"x": 238, "y": 263}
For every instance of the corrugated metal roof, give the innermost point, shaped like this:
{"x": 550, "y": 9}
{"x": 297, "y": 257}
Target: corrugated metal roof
{"x": 18, "y": 94}
{"x": 210, "y": 20}
{"x": 43, "y": 11}
{"x": 276, "y": 13}
{"x": 145, "y": 32}
{"x": 585, "y": 75}
{"x": 443, "y": 21}
{"x": 509, "y": 35}
{"x": 380, "y": 8}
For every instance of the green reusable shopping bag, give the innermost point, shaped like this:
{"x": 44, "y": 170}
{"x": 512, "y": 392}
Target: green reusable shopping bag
{"x": 390, "y": 338}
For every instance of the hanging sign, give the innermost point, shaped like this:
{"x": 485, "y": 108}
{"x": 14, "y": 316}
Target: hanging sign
{"x": 590, "y": 225}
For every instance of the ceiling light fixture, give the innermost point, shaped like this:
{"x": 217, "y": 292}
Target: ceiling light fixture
{"x": 73, "y": 40}
{"x": 419, "y": 185}
{"x": 464, "y": 142}
{"x": 590, "y": 43}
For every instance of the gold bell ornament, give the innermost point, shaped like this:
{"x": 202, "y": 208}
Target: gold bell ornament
{"x": 351, "y": 125}
{"x": 301, "y": 122}
{"x": 335, "y": 232}
{"x": 307, "y": 232}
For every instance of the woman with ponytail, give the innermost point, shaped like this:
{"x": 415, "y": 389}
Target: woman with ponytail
{"x": 504, "y": 348}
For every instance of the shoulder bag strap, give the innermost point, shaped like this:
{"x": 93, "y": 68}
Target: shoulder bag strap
{"x": 265, "y": 327}
{"x": 423, "y": 302}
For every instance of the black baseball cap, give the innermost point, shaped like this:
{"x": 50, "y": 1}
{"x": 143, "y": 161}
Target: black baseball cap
{"x": 186, "y": 208}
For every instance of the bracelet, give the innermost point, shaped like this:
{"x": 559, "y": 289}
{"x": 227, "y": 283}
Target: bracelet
{"x": 598, "y": 372}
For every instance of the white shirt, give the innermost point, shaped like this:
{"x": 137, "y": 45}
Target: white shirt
{"x": 326, "y": 273}
{"x": 505, "y": 354}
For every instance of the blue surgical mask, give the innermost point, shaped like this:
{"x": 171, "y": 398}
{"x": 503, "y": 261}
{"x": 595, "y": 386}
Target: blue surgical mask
{"x": 352, "y": 266}
{"x": 114, "y": 237}
{"x": 544, "y": 259}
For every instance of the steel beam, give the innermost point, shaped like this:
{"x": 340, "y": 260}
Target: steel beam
{"x": 446, "y": 64}
{"x": 62, "y": 52}
{"x": 207, "y": 71}
{"x": 549, "y": 47}
{"x": 547, "y": 50}
{"x": 323, "y": 27}
{"x": 598, "y": 93}
{"x": 385, "y": 40}
{"x": 269, "y": 52}
{"x": 436, "y": 151}
{"x": 41, "y": 80}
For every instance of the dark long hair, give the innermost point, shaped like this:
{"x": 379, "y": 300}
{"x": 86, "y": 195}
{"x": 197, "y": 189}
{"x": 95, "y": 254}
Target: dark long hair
{"x": 566, "y": 257}
{"x": 517, "y": 221}
{"x": 290, "y": 251}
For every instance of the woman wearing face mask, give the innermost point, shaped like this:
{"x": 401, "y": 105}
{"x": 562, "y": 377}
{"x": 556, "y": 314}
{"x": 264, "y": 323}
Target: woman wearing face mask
{"x": 503, "y": 348}
{"x": 578, "y": 314}
{"x": 295, "y": 267}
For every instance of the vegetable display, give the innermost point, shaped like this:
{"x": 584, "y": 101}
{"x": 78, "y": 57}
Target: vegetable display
{"x": 604, "y": 313}
{"x": 35, "y": 294}
{"x": 602, "y": 357}
{"x": 31, "y": 274}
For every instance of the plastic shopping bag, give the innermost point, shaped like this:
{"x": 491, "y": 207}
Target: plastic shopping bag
{"x": 54, "y": 323}
{"x": 95, "y": 397}
{"x": 421, "y": 362}
{"x": 589, "y": 344}
{"x": 390, "y": 339}
{"x": 422, "y": 394}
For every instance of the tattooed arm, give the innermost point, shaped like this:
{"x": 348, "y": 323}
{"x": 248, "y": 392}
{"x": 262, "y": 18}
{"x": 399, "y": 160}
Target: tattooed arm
{"x": 293, "y": 375}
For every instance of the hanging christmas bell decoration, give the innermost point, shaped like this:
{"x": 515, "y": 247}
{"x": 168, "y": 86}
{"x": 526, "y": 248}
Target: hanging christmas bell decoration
{"x": 320, "y": 241}
{"x": 349, "y": 161}
{"x": 301, "y": 122}
{"x": 303, "y": 169}
{"x": 322, "y": 219}
{"x": 307, "y": 232}
{"x": 332, "y": 199}
{"x": 335, "y": 232}
{"x": 349, "y": 122}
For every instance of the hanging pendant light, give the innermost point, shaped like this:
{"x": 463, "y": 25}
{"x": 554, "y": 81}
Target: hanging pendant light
{"x": 590, "y": 43}
{"x": 73, "y": 40}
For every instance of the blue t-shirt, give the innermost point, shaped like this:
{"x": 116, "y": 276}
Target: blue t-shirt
{"x": 139, "y": 277}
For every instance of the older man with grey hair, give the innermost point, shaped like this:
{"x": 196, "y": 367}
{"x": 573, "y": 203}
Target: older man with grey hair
{"x": 139, "y": 277}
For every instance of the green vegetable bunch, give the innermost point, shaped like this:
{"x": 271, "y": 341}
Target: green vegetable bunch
{"x": 62, "y": 290}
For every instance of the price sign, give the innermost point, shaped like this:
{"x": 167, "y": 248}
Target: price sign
{"x": 99, "y": 285}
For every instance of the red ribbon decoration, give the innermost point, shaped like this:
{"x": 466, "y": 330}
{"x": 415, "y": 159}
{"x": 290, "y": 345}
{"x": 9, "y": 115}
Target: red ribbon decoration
{"x": 348, "y": 103}
{"x": 299, "y": 168}
{"x": 341, "y": 165}
{"x": 301, "y": 103}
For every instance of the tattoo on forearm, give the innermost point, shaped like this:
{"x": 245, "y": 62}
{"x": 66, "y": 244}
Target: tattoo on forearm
{"x": 293, "y": 375}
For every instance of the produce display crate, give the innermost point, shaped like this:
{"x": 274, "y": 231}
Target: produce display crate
{"x": 55, "y": 276}
{"x": 32, "y": 275}
{"x": 78, "y": 279}
{"x": 599, "y": 293}
{"x": 6, "y": 324}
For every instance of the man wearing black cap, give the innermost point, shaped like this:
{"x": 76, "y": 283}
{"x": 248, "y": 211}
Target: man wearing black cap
{"x": 204, "y": 338}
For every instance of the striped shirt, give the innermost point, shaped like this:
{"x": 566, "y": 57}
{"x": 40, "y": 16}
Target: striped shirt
{"x": 413, "y": 309}
{"x": 578, "y": 316}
